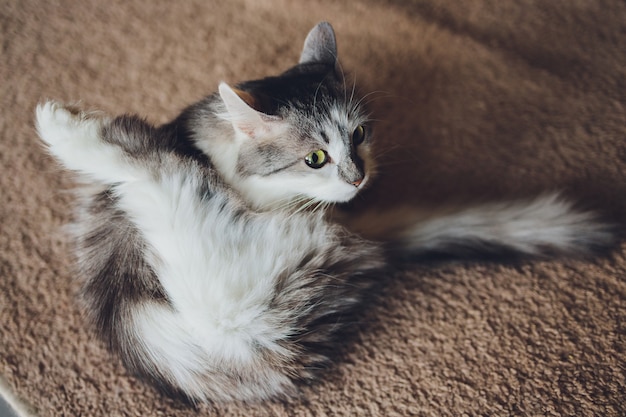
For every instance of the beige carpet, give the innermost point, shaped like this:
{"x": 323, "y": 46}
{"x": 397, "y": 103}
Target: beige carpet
{"x": 476, "y": 99}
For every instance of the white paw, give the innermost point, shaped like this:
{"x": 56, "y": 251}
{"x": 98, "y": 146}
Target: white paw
{"x": 74, "y": 137}
{"x": 71, "y": 135}
{"x": 57, "y": 123}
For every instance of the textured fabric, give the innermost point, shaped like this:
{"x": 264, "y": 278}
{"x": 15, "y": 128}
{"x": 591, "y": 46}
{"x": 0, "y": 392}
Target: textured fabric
{"x": 475, "y": 100}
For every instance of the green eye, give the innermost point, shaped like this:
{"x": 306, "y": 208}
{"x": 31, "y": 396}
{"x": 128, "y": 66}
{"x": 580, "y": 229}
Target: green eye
{"x": 316, "y": 159}
{"x": 358, "y": 135}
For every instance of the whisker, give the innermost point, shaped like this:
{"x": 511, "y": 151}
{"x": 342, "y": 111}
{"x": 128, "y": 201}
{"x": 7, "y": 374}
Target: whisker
{"x": 305, "y": 206}
{"x": 343, "y": 79}
{"x": 353, "y": 89}
{"x": 361, "y": 101}
{"x": 289, "y": 204}
{"x": 321, "y": 206}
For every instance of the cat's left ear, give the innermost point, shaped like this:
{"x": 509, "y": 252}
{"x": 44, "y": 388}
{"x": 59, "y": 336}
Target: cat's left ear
{"x": 242, "y": 114}
{"x": 320, "y": 46}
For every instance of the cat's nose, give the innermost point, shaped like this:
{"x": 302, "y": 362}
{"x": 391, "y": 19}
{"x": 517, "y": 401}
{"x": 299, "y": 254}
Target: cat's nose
{"x": 357, "y": 182}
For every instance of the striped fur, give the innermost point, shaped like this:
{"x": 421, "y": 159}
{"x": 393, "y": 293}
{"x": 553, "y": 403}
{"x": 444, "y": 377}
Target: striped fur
{"x": 208, "y": 263}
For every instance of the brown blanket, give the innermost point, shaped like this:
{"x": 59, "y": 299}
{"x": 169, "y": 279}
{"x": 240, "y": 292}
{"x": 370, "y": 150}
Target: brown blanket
{"x": 475, "y": 100}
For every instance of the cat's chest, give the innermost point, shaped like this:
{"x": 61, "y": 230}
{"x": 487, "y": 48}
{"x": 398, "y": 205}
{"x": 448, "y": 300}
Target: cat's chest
{"x": 195, "y": 230}
{"x": 213, "y": 258}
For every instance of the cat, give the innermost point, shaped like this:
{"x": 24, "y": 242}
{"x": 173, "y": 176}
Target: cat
{"x": 207, "y": 259}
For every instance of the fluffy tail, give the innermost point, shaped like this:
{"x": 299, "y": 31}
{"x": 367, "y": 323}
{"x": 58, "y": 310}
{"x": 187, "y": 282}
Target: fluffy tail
{"x": 545, "y": 226}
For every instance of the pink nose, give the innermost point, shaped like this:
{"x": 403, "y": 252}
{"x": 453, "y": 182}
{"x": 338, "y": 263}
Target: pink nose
{"x": 357, "y": 182}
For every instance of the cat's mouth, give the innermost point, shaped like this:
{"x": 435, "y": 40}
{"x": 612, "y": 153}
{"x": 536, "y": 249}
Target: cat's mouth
{"x": 349, "y": 192}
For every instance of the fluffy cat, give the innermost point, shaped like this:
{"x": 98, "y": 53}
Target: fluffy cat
{"x": 202, "y": 265}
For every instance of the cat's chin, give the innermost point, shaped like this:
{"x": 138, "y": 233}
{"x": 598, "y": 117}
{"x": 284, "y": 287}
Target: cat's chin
{"x": 341, "y": 194}
{"x": 344, "y": 198}
{"x": 270, "y": 193}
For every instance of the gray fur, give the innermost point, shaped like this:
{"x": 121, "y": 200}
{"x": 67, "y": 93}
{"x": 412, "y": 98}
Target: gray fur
{"x": 320, "y": 46}
{"x": 318, "y": 272}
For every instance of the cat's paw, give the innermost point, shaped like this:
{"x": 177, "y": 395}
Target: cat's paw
{"x": 57, "y": 123}
{"x": 68, "y": 132}
{"x": 76, "y": 139}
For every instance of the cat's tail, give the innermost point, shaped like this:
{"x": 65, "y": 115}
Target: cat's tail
{"x": 548, "y": 225}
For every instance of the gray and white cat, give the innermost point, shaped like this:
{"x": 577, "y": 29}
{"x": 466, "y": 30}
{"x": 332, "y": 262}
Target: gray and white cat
{"x": 201, "y": 266}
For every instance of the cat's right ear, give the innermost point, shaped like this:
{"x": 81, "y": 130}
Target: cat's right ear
{"x": 241, "y": 113}
{"x": 320, "y": 46}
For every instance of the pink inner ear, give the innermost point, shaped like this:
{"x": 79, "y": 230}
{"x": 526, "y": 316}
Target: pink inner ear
{"x": 247, "y": 130}
{"x": 242, "y": 115}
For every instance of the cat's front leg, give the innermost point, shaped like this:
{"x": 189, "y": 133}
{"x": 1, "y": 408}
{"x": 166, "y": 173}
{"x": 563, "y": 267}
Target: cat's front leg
{"x": 74, "y": 137}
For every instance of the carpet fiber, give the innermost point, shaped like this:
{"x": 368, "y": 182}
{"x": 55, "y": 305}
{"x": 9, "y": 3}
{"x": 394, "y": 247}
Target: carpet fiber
{"x": 475, "y": 100}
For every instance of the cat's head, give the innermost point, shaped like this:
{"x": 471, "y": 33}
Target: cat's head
{"x": 302, "y": 135}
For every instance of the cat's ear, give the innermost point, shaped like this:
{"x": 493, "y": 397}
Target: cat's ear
{"x": 241, "y": 112}
{"x": 320, "y": 46}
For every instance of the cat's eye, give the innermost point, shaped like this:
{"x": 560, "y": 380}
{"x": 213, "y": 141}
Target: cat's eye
{"x": 316, "y": 159}
{"x": 358, "y": 135}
